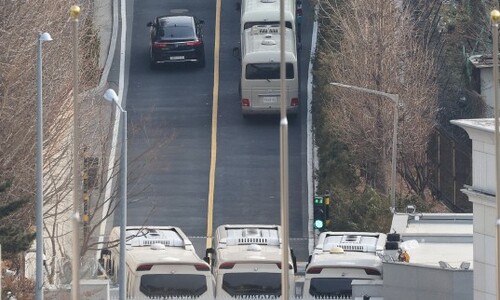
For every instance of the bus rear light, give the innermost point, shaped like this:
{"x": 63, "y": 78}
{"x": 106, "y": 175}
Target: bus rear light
{"x": 202, "y": 267}
{"x": 227, "y": 265}
{"x": 144, "y": 267}
{"x": 294, "y": 102}
{"x": 245, "y": 102}
{"x": 314, "y": 270}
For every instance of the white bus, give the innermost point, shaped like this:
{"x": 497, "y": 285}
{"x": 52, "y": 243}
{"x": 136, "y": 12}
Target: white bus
{"x": 260, "y": 71}
{"x": 161, "y": 263}
{"x": 267, "y": 12}
{"x": 338, "y": 259}
{"x": 246, "y": 261}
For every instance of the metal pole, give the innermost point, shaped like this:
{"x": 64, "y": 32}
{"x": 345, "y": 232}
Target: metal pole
{"x": 284, "y": 160}
{"x": 123, "y": 208}
{"x": 42, "y": 37}
{"x": 110, "y": 95}
{"x": 75, "y": 262}
{"x": 395, "y": 99}
{"x": 495, "y": 17}
{"x": 394, "y": 151}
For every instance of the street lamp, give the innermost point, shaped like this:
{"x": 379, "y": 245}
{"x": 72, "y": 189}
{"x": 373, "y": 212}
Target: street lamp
{"x": 495, "y": 18}
{"x": 42, "y": 37}
{"x": 395, "y": 99}
{"x": 111, "y": 96}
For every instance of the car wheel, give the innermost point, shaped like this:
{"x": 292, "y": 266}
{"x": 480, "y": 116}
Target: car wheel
{"x": 153, "y": 65}
{"x": 152, "y": 62}
{"x": 201, "y": 62}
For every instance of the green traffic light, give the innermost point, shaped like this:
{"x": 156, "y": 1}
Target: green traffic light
{"x": 318, "y": 200}
{"x": 318, "y": 224}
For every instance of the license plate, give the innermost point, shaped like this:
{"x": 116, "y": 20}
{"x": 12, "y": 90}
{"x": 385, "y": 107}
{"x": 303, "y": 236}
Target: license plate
{"x": 176, "y": 57}
{"x": 269, "y": 99}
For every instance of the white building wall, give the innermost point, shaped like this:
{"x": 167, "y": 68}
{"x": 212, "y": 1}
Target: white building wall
{"x": 481, "y": 194}
{"x": 487, "y": 85}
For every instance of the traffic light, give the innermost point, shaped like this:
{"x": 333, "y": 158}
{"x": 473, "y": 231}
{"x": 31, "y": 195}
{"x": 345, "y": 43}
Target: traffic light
{"x": 319, "y": 213}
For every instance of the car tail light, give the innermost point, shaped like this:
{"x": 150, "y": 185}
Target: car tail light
{"x": 245, "y": 102}
{"x": 227, "y": 265}
{"x": 144, "y": 267}
{"x": 372, "y": 272}
{"x": 314, "y": 270}
{"x": 202, "y": 267}
{"x": 160, "y": 45}
{"x": 195, "y": 43}
{"x": 294, "y": 102}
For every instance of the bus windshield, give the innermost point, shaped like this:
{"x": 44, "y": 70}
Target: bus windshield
{"x": 167, "y": 285}
{"x": 251, "y": 284}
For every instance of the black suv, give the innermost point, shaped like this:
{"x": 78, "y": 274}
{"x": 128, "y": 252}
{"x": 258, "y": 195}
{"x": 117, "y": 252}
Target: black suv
{"x": 176, "y": 39}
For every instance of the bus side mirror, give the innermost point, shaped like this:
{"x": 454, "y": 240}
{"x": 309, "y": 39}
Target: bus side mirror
{"x": 238, "y": 6}
{"x": 149, "y": 24}
{"x": 208, "y": 254}
{"x": 294, "y": 261}
{"x": 237, "y": 53}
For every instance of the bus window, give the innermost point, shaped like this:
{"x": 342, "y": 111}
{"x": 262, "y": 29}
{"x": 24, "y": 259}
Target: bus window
{"x": 247, "y": 25}
{"x": 252, "y": 284}
{"x": 267, "y": 71}
{"x": 168, "y": 285}
{"x": 331, "y": 287}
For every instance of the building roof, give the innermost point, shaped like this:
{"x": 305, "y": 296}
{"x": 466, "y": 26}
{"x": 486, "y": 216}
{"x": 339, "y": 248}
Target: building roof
{"x": 437, "y": 239}
{"x": 482, "y": 60}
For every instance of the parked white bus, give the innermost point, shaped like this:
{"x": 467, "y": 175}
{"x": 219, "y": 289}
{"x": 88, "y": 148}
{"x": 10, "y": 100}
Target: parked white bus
{"x": 161, "y": 263}
{"x": 246, "y": 261}
{"x": 338, "y": 259}
{"x": 260, "y": 71}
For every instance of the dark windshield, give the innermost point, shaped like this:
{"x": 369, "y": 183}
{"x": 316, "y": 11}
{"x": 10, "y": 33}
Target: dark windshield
{"x": 166, "y": 285}
{"x": 288, "y": 24}
{"x": 251, "y": 284}
{"x": 267, "y": 71}
{"x": 331, "y": 287}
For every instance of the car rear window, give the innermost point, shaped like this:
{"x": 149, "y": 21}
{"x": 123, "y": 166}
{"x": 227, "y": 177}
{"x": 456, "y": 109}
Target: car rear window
{"x": 168, "y": 285}
{"x": 174, "y": 31}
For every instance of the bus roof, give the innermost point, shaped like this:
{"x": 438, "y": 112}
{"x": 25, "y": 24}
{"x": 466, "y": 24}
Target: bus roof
{"x": 348, "y": 249}
{"x": 249, "y": 243}
{"x": 157, "y": 244}
{"x": 264, "y": 41}
{"x": 266, "y": 10}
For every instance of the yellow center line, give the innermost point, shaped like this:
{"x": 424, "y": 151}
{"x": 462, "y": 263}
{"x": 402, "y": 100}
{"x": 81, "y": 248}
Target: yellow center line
{"x": 215, "y": 105}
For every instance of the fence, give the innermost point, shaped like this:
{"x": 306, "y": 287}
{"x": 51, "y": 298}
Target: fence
{"x": 451, "y": 165}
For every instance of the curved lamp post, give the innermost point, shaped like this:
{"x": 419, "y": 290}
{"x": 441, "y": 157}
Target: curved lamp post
{"x": 395, "y": 99}
{"x": 111, "y": 96}
{"x": 42, "y": 37}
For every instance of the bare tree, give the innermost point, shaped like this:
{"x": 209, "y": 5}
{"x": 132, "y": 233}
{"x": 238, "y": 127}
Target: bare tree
{"x": 376, "y": 46}
{"x": 20, "y": 23}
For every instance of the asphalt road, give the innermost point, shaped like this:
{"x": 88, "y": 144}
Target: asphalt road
{"x": 170, "y": 128}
